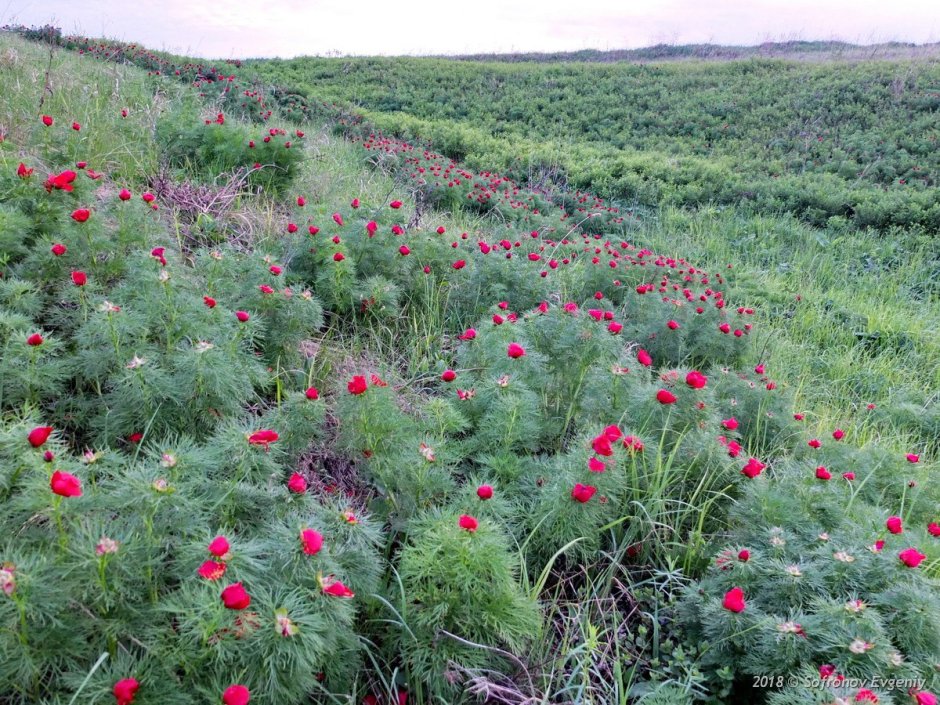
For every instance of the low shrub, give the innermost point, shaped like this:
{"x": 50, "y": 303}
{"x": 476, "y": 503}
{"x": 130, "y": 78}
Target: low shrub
{"x": 213, "y": 147}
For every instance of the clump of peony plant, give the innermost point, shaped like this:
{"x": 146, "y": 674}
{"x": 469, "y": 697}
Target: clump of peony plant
{"x": 462, "y": 600}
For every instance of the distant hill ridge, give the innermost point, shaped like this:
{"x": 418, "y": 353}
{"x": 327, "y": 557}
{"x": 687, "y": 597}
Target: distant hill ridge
{"x": 794, "y": 50}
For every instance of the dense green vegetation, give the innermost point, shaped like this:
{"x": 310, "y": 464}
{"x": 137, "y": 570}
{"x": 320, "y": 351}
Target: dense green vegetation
{"x": 296, "y": 418}
{"x": 848, "y": 140}
{"x": 781, "y": 141}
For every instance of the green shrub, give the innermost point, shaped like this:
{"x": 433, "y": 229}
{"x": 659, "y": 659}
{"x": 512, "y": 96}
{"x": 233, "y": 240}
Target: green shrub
{"x": 211, "y": 149}
{"x": 462, "y": 599}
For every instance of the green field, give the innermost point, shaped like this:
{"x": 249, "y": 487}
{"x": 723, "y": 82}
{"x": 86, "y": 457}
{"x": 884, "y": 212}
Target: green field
{"x": 828, "y": 142}
{"x": 540, "y": 379}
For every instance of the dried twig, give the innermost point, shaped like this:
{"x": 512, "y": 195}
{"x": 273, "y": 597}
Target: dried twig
{"x": 47, "y": 85}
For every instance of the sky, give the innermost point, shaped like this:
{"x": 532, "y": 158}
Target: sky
{"x": 255, "y": 28}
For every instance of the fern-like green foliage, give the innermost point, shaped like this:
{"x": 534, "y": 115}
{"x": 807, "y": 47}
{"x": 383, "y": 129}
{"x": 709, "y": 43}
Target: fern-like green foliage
{"x": 463, "y": 601}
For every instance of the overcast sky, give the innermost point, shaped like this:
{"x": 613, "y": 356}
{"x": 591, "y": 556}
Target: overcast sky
{"x": 245, "y": 28}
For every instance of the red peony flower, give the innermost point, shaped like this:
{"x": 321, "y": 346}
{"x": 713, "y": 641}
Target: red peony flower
{"x": 148, "y": 197}
{"x": 468, "y": 523}
{"x": 673, "y": 325}
{"x": 595, "y": 465}
{"x": 76, "y": 126}
{"x": 291, "y": 228}
{"x": 124, "y": 195}
{"x": 753, "y": 468}
{"x": 23, "y": 171}
{"x": 744, "y": 555}
{"x": 264, "y": 437}
{"x": 331, "y": 586}
{"x": 242, "y": 316}
{"x": 395, "y": 204}
{"x": 823, "y": 474}
{"x": 911, "y": 557}
{"x": 338, "y": 219}
{"x": 234, "y": 597}
{"x": 212, "y": 570}
{"x": 125, "y": 690}
{"x": 80, "y": 215}
{"x": 730, "y": 424}
{"x": 39, "y": 435}
{"x": 339, "y": 257}
{"x": 47, "y": 120}
{"x": 734, "y": 600}
{"x": 65, "y": 484}
{"x": 583, "y": 493}
{"x": 449, "y": 376}
{"x": 865, "y": 696}
{"x": 459, "y": 264}
{"x": 933, "y": 528}
{"x": 515, "y": 351}
{"x": 696, "y": 380}
{"x": 79, "y": 278}
{"x": 838, "y": 434}
{"x": 311, "y": 541}
{"x": 485, "y": 492}
{"x": 62, "y": 182}
{"x": 468, "y": 334}
{"x": 208, "y": 301}
{"x": 814, "y": 443}
{"x": 219, "y": 547}
{"x": 922, "y": 697}
{"x": 664, "y": 396}
{"x": 913, "y": 458}
{"x": 312, "y": 393}
{"x": 236, "y": 695}
{"x": 644, "y": 358}
{"x": 58, "y": 249}
{"x": 441, "y": 230}
{"x": 354, "y": 204}
{"x": 848, "y": 475}
{"x": 357, "y": 385}
{"x": 894, "y": 525}
{"x": 297, "y": 484}
{"x": 601, "y": 445}
{"x": 34, "y": 340}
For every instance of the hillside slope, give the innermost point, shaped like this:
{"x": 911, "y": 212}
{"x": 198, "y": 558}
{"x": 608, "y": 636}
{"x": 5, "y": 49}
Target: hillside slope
{"x": 290, "y": 418}
{"x": 823, "y": 141}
